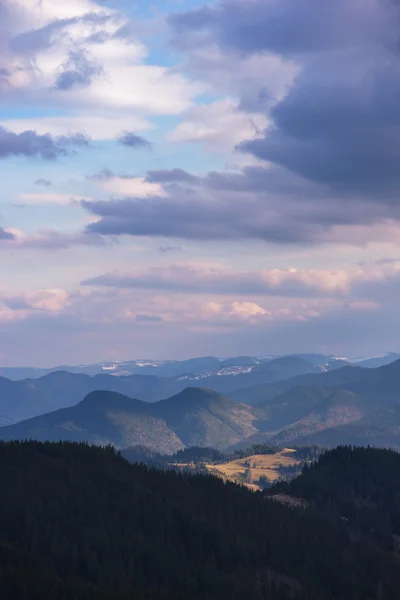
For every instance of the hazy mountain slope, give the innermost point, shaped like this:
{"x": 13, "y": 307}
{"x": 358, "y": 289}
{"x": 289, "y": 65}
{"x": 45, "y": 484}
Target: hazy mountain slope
{"x": 379, "y": 386}
{"x": 339, "y": 407}
{"x": 205, "y": 418}
{"x": 381, "y": 429}
{"x": 31, "y": 397}
{"x": 262, "y": 374}
{"x": 259, "y": 394}
{"x": 379, "y": 361}
{"x": 101, "y": 418}
{"x": 194, "y": 417}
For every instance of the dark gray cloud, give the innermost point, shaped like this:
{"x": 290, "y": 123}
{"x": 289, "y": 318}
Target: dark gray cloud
{"x": 339, "y": 122}
{"x": 281, "y": 26}
{"x": 267, "y": 204}
{"x": 130, "y": 139}
{"x": 30, "y": 143}
{"x": 44, "y": 182}
{"x": 78, "y": 71}
{"x": 4, "y": 75}
{"x": 6, "y": 235}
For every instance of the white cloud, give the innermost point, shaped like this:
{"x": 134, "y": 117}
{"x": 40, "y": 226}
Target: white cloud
{"x": 220, "y": 125}
{"x": 136, "y": 187}
{"x": 120, "y": 92}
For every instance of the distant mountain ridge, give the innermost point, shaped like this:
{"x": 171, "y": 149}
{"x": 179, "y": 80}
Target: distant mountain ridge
{"x": 175, "y": 368}
{"x": 31, "y": 397}
{"x": 347, "y": 405}
{"x": 193, "y": 417}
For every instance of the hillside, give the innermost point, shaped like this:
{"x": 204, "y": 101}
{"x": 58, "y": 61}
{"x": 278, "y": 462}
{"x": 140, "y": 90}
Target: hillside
{"x": 80, "y": 523}
{"x": 380, "y": 429}
{"x": 205, "y": 418}
{"x": 259, "y": 394}
{"x": 359, "y": 484}
{"x": 348, "y": 405}
{"x": 193, "y": 417}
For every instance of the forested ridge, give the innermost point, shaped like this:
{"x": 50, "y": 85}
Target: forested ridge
{"x": 80, "y": 522}
{"x": 358, "y": 484}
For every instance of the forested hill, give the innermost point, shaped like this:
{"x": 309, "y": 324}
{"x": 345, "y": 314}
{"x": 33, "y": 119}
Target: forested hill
{"x": 360, "y": 484}
{"x": 79, "y": 522}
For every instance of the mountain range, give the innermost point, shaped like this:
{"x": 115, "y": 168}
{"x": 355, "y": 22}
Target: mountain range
{"x": 192, "y": 366}
{"x": 31, "y": 397}
{"x": 195, "y": 417}
{"x": 348, "y": 405}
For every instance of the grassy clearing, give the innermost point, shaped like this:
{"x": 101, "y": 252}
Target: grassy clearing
{"x": 248, "y": 470}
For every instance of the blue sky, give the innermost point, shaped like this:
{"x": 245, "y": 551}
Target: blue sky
{"x": 230, "y": 170}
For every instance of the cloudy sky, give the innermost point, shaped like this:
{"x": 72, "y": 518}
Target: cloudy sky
{"x": 182, "y": 179}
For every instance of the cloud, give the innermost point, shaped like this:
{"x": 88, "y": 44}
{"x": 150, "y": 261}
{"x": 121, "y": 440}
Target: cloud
{"x": 220, "y": 125}
{"x": 168, "y": 249}
{"x": 44, "y": 182}
{"x": 172, "y": 176}
{"x": 51, "y": 300}
{"x": 6, "y": 235}
{"x": 78, "y": 62}
{"x": 338, "y": 123}
{"x": 221, "y": 281}
{"x": 132, "y": 140}
{"x": 104, "y": 175}
{"x": 29, "y": 143}
{"x": 148, "y": 318}
{"x": 113, "y": 323}
{"x": 79, "y": 70}
{"x": 281, "y": 26}
{"x": 263, "y": 203}
{"x": 15, "y": 239}
{"x": 126, "y": 185}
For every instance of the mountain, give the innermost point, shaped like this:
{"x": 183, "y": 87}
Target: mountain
{"x": 380, "y": 429}
{"x": 339, "y": 406}
{"x": 81, "y": 523}
{"x": 193, "y": 417}
{"x": 205, "y": 418}
{"x": 277, "y": 369}
{"x": 378, "y": 361}
{"x": 261, "y": 393}
{"x": 101, "y": 418}
{"x": 30, "y": 397}
{"x": 159, "y": 368}
{"x": 286, "y": 411}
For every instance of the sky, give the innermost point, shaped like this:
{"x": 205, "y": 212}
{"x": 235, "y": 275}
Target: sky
{"x": 183, "y": 179}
